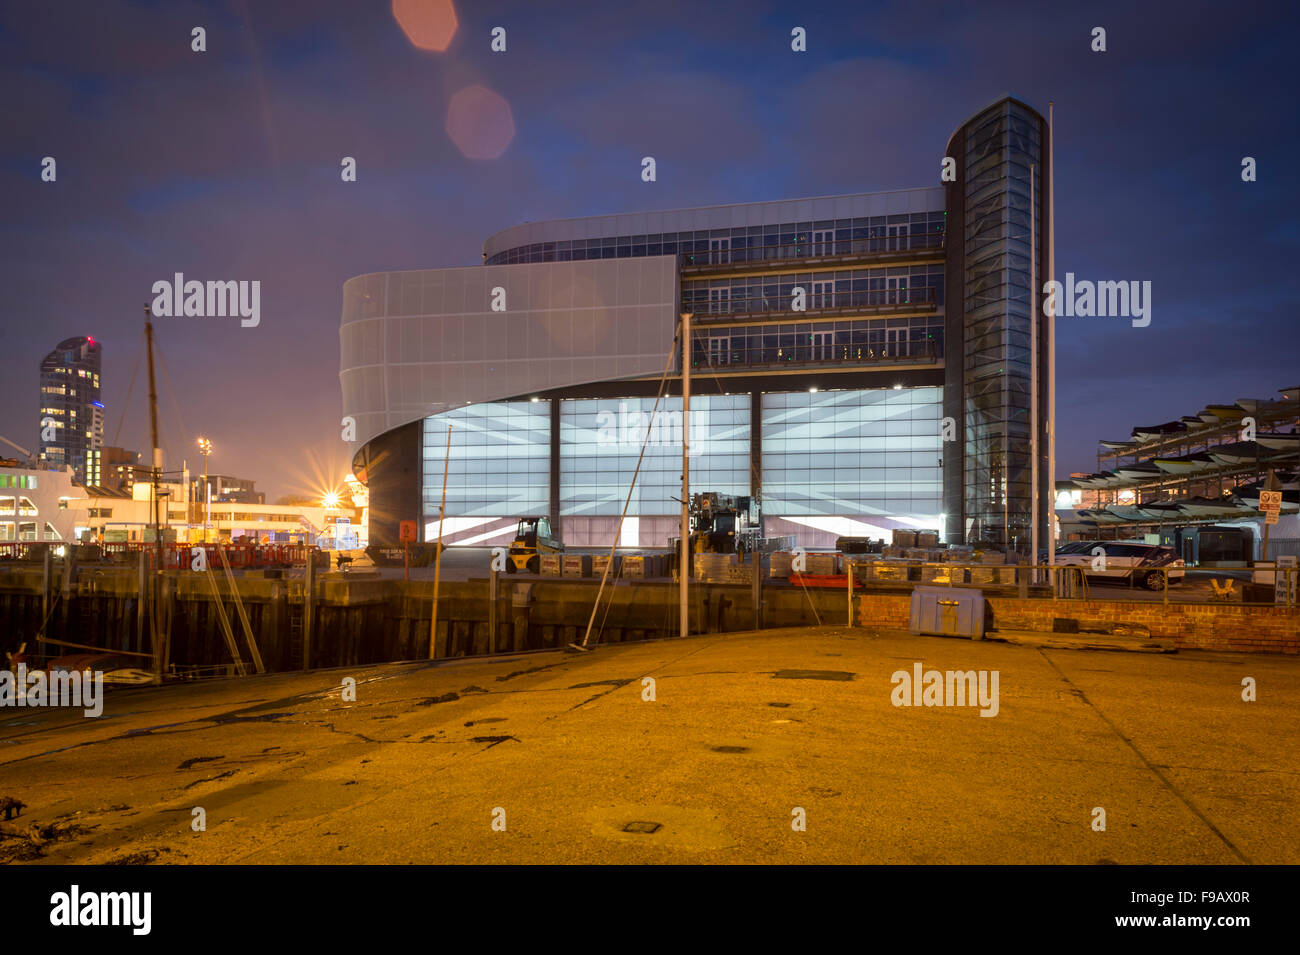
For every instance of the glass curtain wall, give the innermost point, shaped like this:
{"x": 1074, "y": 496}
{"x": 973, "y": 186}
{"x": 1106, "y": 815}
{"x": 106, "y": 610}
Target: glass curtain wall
{"x": 601, "y": 439}
{"x": 499, "y": 463}
{"x": 864, "y": 454}
{"x": 1000, "y": 146}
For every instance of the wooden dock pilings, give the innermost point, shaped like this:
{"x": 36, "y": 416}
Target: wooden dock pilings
{"x": 356, "y": 617}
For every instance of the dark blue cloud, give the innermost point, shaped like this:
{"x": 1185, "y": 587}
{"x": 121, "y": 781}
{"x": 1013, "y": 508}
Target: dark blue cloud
{"x": 225, "y": 165}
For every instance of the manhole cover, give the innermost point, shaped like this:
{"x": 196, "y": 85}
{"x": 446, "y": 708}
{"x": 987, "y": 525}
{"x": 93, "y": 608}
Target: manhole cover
{"x": 812, "y": 675}
{"x": 730, "y": 749}
{"x": 646, "y": 828}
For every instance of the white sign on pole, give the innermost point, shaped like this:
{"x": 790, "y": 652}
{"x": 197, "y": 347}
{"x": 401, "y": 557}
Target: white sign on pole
{"x": 1285, "y": 584}
{"x": 1270, "y": 501}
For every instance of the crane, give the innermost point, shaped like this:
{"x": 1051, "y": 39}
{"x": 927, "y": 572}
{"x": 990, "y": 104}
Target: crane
{"x": 14, "y": 444}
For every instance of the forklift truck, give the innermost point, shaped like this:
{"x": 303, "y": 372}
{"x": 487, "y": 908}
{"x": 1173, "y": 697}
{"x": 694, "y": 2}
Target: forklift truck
{"x": 532, "y": 539}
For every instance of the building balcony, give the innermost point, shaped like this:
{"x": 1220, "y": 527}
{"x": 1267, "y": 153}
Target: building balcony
{"x": 716, "y": 360}
{"x": 821, "y": 304}
{"x": 885, "y": 249}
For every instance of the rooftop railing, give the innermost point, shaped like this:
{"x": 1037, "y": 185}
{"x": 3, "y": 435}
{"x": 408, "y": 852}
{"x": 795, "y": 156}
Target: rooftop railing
{"x": 815, "y": 301}
{"x": 816, "y": 248}
{"x": 727, "y": 358}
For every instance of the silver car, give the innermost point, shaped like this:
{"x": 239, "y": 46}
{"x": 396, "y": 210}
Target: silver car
{"x": 1134, "y": 561}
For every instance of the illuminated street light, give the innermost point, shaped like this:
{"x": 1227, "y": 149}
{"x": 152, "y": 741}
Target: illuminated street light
{"x": 205, "y": 448}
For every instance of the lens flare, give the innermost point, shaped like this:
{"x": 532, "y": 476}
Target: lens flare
{"x": 480, "y": 123}
{"x": 428, "y": 24}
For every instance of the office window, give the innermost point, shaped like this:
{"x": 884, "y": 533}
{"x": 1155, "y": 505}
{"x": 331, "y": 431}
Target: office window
{"x": 601, "y": 439}
{"x": 869, "y": 454}
{"x": 499, "y": 464}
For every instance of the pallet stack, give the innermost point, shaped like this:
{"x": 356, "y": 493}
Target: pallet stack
{"x": 600, "y": 561}
{"x": 904, "y": 537}
{"x": 576, "y": 565}
{"x": 720, "y": 569}
{"x": 821, "y": 564}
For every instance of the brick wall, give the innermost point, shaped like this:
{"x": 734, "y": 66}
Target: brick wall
{"x": 1224, "y": 627}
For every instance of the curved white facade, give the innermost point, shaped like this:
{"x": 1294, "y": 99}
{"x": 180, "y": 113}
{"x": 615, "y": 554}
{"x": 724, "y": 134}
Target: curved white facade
{"x": 418, "y": 343}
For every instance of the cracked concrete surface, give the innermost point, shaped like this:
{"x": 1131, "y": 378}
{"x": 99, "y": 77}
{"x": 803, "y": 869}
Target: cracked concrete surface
{"x": 744, "y": 729}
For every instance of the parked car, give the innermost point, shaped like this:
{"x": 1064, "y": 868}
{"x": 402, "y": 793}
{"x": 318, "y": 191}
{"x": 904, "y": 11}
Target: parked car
{"x": 1134, "y": 561}
{"x": 1068, "y": 547}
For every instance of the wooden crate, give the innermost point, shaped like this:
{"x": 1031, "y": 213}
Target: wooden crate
{"x": 576, "y": 565}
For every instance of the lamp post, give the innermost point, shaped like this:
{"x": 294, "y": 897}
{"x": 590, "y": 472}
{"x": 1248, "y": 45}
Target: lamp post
{"x": 684, "y": 570}
{"x": 205, "y": 448}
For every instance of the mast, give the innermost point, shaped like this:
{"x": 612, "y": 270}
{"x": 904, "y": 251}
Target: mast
{"x": 156, "y": 475}
{"x": 684, "y": 570}
{"x": 1051, "y": 335}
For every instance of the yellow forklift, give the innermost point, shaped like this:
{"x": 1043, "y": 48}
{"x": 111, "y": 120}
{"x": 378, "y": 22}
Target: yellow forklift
{"x": 532, "y": 539}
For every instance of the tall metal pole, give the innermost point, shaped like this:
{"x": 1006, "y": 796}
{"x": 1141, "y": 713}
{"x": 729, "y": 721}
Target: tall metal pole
{"x": 1033, "y": 373}
{"x": 437, "y": 558}
{"x": 158, "y": 653}
{"x": 1051, "y": 332}
{"x": 684, "y": 568}
{"x": 207, "y": 498}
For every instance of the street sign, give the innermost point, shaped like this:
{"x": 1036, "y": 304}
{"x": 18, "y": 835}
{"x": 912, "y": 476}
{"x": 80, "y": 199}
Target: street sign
{"x": 1284, "y": 583}
{"x": 1270, "y": 517}
{"x": 407, "y": 532}
{"x": 1270, "y": 501}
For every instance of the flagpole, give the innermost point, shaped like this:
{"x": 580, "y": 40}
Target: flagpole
{"x": 684, "y": 565}
{"x": 1051, "y": 331}
{"x": 1034, "y": 493}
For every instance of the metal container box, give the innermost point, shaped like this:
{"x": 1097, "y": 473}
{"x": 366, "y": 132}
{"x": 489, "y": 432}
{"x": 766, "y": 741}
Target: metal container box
{"x": 948, "y": 612}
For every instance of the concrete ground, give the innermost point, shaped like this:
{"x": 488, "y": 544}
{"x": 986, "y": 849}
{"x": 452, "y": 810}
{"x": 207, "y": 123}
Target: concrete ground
{"x": 564, "y": 754}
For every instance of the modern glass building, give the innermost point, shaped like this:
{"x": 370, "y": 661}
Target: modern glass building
{"x": 72, "y": 416}
{"x": 831, "y": 339}
{"x": 988, "y": 387}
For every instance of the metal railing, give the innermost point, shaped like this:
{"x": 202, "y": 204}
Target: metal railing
{"x": 175, "y": 556}
{"x": 1060, "y": 581}
{"x": 812, "y": 248}
{"x": 814, "y": 355}
{"x": 709, "y": 308}
{"x": 900, "y": 238}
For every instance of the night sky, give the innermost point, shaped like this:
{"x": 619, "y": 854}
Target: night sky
{"x": 225, "y": 165}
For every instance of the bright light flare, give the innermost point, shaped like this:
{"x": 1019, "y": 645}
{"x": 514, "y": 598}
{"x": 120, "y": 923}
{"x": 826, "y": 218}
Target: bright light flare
{"x": 428, "y": 24}
{"x": 480, "y": 122}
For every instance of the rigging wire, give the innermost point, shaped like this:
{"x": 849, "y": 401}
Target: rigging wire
{"x": 618, "y": 532}
{"x": 171, "y": 392}
{"x": 127, "y": 401}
